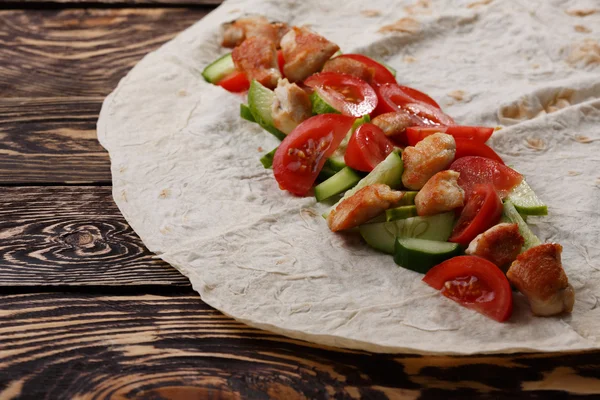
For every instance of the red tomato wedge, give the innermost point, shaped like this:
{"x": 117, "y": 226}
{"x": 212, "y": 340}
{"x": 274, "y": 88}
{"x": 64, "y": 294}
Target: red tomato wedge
{"x": 420, "y": 96}
{"x": 235, "y": 82}
{"x": 382, "y": 74}
{"x": 367, "y": 147}
{"x": 394, "y": 97}
{"x": 479, "y": 134}
{"x": 346, "y": 93}
{"x": 475, "y": 170}
{"x": 301, "y": 155}
{"x": 280, "y": 62}
{"x": 475, "y": 283}
{"x": 466, "y": 147}
{"x": 482, "y": 210}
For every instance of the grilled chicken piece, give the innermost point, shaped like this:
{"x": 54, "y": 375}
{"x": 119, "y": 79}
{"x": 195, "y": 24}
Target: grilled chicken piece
{"x": 257, "y": 58}
{"x": 304, "y": 53}
{"x": 290, "y": 107}
{"x": 394, "y": 124}
{"x": 363, "y": 205}
{"x": 501, "y": 244}
{"x": 441, "y": 193}
{"x": 234, "y": 33}
{"x": 349, "y": 66}
{"x": 428, "y": 157}
{"x": 539, "y": 275}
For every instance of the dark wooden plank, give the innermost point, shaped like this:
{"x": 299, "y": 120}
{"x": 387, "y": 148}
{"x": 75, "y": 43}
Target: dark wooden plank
{"x": 55, "y": 346}
{"x": 125, "y": 3}
{"x": 80, "y": 52}
{"x": 48, "y": 140}
{"x": 73, "y": 236}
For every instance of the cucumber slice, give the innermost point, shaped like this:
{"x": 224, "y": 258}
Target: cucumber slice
{"x": 408, "y": 199}
{"x": 245, "y": 113}
{"x": 510, "y": 214}
{"x": 420, "y": 255}
{"x": 259, "y": 102}
{"x": 337, "y": 184}
{"x": 219, "y": 69}
{"x": 388, "y": 172}
{"x": 382, "y": 236}
{"x": 320, "y": 106}
{"x": 401, "y": 212}
{"x": 267, "y": 159}
{"x": 525, "y": 200}
{"x": 336, "y": 163}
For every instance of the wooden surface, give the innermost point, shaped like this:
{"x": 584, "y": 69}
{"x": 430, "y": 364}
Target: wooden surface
{"x": 87, "y": 312}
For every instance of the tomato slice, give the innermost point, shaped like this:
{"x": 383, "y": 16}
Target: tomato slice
{"x": 346, "y": 93}
{"x": 479, "y": 134}
{"x": 280, "y": 62}
{"x": 466, "y": 147}
{"x": 382, "y": 74}
{"x": 301, "y": 155}
{"x": 475, "y": 170}
{"x": 367, "y": 147}
{"x": 235, "y": 82}
{"x": 420, "y": 96}
{"x": 393, "y": 97}
{"x": 482, "y": 210}
{"x": 475, "y": 283}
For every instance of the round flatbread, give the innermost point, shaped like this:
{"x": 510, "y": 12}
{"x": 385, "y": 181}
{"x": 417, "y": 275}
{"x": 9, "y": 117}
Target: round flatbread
{"x": 187, "y": 176}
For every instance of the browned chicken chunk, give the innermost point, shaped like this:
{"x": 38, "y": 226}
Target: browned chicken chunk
{"x": 394, "y": 124}
{"x": 290, "y": 107}
{"x": 234, "y": 33}
{"x": 363, "y": 205}
{"x": 441, "y": 193}
{"x": 430, "y": 156}
{"x": 304, "y": 53}
{"x": 257, "y": 58}
{"x": 349, "y": 66}
{"x": 501, "y": 244}
{"x": 539, "y": 275}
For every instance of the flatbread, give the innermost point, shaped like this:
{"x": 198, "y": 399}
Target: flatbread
{"x": 187, "y": 178}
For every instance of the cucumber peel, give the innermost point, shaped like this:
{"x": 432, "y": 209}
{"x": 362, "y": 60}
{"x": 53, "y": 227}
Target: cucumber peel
{"x": 219, "y": 69}
{"x": 382, "y": 236}
{"x": 401, "y": 212}
{"x": 320, "y": 106}
{"x": 387, "y": 172}
{"x": 420, "y": 255}
{"x": 340, "y": 182}
{"x": 526, "y": 201}
{"x": 510, "y": 214}
{"x": 267, "y": 159}
{"x": 260, "y": 100}
{"x": 245, "y": 113}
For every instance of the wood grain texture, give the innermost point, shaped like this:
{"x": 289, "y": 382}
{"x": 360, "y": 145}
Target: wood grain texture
{"x": 63, "y": 346}
{"x": 49, "y": 140}
{"x": 73, "y": 236}
{"x": 80, "y": 52}
{"x": 121, "y": 3}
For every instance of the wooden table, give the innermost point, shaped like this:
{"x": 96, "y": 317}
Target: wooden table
{"x": 87, "y": 312}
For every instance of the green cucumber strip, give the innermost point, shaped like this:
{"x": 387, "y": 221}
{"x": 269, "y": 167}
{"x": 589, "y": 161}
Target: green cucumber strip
{"x": 320, "y": 106}
{"x": 525, "y": 200}
{"x": 408, "y": 199}
{"x": 382, "y": 236}
{"x": 260, "y": 99}
{"x": 219, "y": 69}
{"x": 388, "y": 172}
{"x": 267, "y": 159}
{"x": 245, "y": 113}
{"x": 340, "y": 182}
{"x": 420, "y": 255}
{"x": 510, "y": 214}
{"x": 401, "y": 212}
